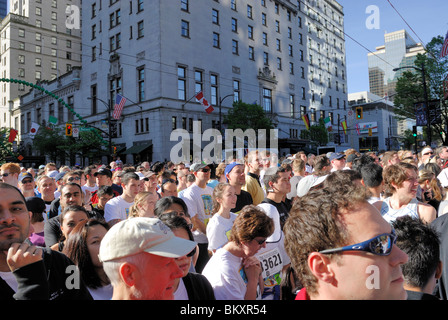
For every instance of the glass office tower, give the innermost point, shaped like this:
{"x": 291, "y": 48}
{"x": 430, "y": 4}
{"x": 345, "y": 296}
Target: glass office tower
{"x": 399, "y": 50}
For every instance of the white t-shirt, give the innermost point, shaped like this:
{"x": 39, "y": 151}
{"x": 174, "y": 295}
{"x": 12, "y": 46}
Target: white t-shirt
{"x": 181, "y": 292}
{"x": 102, "y": 293}
{"x": 225, "y": 273}
{"x": 91, "y": 189}
{"x": 9, "y": 278}
{"x": 117, "y": 208}
{"x": 218, "y": 230}
{"x": 199, "y": 202}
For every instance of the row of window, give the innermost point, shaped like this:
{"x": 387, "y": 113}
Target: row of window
{"x": 214, "y": 94}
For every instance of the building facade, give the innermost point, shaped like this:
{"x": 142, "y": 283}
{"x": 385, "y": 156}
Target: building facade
{"x": 36, "y": 44}
{"x": 287, "y": 56}
{"x": 399, "y": 50}
{"x": 377, "y": 129}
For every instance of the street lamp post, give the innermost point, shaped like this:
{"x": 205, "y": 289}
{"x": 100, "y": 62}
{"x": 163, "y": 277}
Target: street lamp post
{"x": 425, "y": 92}
{"x": 108, "y": 106}
{"x": 220, "y": 112}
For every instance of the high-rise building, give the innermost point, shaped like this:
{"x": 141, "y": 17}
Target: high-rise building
{"x": 399, "y": 50}
{"x": 36, "y": 45}
{"x": 3, "y": 8}
{"x": 286, "y": 55}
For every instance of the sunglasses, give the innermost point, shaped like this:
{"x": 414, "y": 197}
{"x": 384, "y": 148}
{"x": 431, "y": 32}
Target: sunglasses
{"x": 73, "y": 179}
{"x": 425, "y": 154}
{"x": 26, "y": 181}
{"x": 205, "y": 170}
{"x": 260, "y": 242}
{"x": 4, "y": 174}
{"x": 380, "y": 245}
{"x": 192, "y": 253}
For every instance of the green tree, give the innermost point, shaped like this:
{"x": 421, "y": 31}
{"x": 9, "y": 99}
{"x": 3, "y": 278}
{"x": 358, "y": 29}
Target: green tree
{"x": 410, "y": 90}
{"x": 408, "y": 139}
{"x": 317, "y": 133}
{"x": 48, "y": 141}
{"x": 247, "y": 116}
{"x": 52, "y": 142}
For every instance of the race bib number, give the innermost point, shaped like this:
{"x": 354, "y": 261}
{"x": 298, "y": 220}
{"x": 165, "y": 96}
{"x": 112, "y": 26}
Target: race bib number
{"x": 271, "y": 265}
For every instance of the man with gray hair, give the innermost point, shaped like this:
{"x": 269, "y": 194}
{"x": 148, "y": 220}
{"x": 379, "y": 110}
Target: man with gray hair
{"x": 138, "y": 256}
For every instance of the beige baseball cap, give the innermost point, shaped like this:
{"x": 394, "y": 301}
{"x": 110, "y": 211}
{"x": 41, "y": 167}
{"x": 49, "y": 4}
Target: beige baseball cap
{"x": 141, "y": 234}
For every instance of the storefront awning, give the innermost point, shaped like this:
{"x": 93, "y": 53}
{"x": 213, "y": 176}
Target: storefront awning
{"x": 136, "y": 149}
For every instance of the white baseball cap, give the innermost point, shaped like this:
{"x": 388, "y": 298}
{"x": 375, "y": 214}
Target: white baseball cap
{"x": 142, "y": 234}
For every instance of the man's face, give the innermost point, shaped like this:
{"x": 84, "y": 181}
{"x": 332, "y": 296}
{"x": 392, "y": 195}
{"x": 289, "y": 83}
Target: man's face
{"x": 203, "y": 174}
{"x": 236, "y": 176}
{"x": 14, "y": 219}
{"x": 91, "y": 176}
{"x": 102, "y": 180}
{"x": 151, "y": 183}
{"x": 155, "y": 279}
{"x": 427, "y": 154}
{"x": 444, "y": 154}
{"x": 169, "y": 189}
{"x": 47, "y": 186}
{"x": 8, "y": 177}
{"x": 132, "y": 188}
{"x": 282, "y": 185}
{"x": 255, "y": 165}
{"x": 358, "y": 273}
{"x": 27, "y": 184}
{"x": 71, "y": 195}
{"x": 338, "y": 164}
{"x": 103, "y": 199}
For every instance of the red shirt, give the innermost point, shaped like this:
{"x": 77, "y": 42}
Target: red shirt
{"x": 302, "y": 295}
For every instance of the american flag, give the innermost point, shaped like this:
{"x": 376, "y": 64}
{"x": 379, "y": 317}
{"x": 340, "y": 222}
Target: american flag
{"x": 118, "y": 108}
{"x": 444, "y": 51}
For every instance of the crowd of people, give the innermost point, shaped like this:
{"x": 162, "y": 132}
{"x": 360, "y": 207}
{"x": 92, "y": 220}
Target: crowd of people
{"x": 341, "y": 225}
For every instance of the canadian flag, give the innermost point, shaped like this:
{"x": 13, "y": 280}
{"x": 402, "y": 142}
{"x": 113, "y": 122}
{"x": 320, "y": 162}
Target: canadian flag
{"x": 201, "y": 99}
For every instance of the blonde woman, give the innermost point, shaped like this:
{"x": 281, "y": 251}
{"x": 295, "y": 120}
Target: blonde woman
{"x": 431, "y": 191}
{"x": 144, "y": 204}
{"x": 219, "y": 226}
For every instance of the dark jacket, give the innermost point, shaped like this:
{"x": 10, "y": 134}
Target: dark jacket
{"x": 198, "y": 287}
{"x": 52, "y": 278}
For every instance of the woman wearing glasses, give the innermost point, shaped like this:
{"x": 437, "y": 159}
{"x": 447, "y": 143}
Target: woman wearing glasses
{"x": 192, "y": 286}
{"x": 233, "y": 271}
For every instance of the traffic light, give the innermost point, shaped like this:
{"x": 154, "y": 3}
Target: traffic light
{"x": 114, "y": 149}
{"x": 68, "y": 129}
{"x": 359, "y": 113}
{"x": 414, "y": 131}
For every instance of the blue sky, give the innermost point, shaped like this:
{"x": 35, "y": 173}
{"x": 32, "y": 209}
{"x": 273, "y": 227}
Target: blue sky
{"x": 427, "y": 19}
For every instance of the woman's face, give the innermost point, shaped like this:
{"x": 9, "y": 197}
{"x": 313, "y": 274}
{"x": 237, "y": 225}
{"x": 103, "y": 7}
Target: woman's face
{"x": 228, "y": 198}
{"x": 184, "y": 263}
{"x": 95, "y": 235}
{"x": 148, "y": 205}
{"x": 180, "y": 211}
{"x": 409, "y": 187}
{"x": 252, "y": 247}
{"x": 71, "y": 219}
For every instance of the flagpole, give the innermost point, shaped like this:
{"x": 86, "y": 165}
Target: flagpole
{"x": 183, "y": 105}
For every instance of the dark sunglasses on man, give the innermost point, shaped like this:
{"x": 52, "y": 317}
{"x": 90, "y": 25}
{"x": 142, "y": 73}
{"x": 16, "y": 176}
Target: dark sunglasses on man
{"x": 380, "y": 245}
